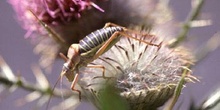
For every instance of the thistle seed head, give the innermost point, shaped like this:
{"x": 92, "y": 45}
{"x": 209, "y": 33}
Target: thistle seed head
{"x": 145, "y": 75}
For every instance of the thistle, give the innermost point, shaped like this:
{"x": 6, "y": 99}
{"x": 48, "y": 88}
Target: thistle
{"x": 145, "y": 76}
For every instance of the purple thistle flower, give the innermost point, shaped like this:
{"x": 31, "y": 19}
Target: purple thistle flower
{"x": 51, "y": 12}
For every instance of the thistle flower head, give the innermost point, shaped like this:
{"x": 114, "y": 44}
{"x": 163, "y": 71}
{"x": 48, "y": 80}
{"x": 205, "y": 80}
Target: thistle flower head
{"x": 145, "y": 75}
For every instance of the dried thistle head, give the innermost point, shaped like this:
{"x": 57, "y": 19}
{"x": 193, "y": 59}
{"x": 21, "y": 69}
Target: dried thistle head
{"x": 146, "y": 76}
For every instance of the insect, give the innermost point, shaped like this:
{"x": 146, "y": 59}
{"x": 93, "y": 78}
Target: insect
{"x": 90, "y": 48}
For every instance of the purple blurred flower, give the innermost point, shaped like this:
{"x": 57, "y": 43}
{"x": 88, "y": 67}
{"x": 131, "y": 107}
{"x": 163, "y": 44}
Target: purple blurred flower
{"x": 52, "y": 12}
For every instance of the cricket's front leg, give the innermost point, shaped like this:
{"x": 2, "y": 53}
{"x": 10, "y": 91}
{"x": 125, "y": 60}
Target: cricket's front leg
{"x": 74, "y": 84}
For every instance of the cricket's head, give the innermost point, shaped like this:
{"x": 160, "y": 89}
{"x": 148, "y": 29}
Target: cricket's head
{"x": 71, "y": 62}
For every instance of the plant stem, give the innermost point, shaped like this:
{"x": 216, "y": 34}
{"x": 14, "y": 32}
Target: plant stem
{"x": 32, "y": 87}
{"x": 187, "y": 25}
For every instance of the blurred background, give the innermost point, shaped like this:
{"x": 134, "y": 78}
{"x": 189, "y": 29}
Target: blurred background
{"x": 18, "y": 53}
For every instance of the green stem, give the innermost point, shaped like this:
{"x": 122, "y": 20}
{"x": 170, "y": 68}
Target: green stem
{"x": 32, "y": 87}
{"x": 177, "y": 91}
{"x": 187, "y": 25}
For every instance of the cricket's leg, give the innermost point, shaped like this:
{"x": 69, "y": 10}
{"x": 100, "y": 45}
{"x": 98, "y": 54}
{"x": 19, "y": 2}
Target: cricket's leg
{"x": 116, "y": 34}
{"x": 74, "y": 84}
{"x": 103, "y": 71}
{"x": 109, "y": 24}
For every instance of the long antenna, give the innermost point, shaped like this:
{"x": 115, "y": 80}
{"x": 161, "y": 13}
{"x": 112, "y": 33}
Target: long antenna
{"x": 60, "y": 77}
{"x": 51, "y": 32}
